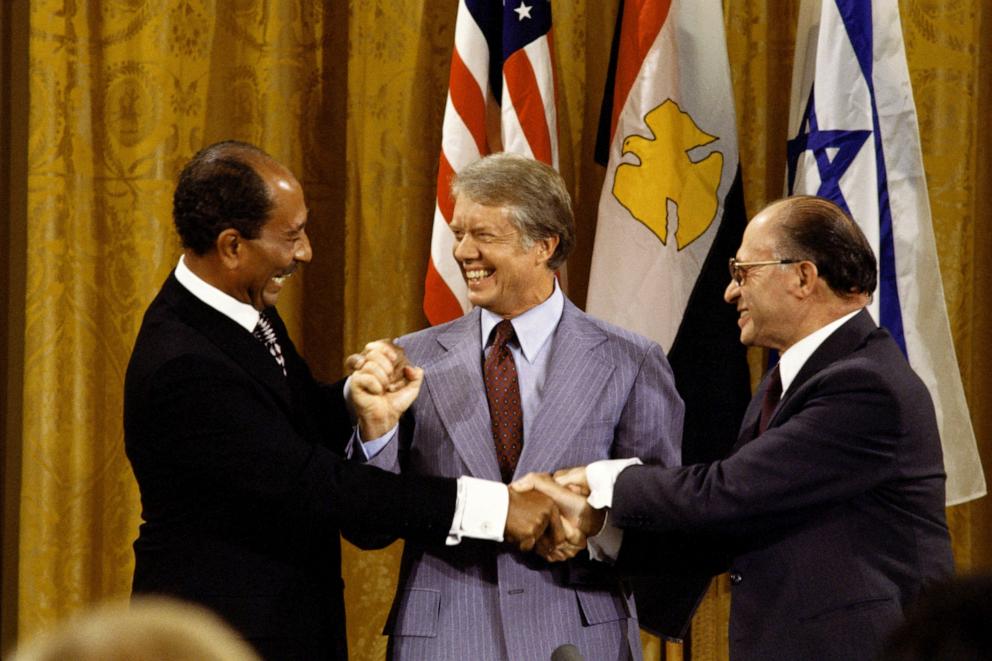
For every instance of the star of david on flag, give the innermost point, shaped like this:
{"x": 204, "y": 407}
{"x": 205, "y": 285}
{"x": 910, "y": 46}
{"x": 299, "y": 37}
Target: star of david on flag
{"x": 855, "y": 140}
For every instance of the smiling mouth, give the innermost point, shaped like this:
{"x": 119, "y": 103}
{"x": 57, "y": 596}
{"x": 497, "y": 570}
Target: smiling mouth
{"x": 474, "y": 276}
{"x": 280, "y": 279}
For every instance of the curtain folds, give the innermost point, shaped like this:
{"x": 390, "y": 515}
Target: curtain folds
{"x": 350, "y": 96}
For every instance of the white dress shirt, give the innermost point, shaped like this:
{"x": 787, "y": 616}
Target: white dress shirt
{"x": 602, "y": 475}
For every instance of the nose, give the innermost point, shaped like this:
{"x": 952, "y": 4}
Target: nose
{"x": 464, "y": 248}
{"x": 304, "y": 252}
{"x": 732, "y": 292}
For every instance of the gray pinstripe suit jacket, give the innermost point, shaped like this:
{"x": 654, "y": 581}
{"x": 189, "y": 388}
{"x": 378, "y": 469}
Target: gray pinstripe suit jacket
{"x": 609, "y": 393}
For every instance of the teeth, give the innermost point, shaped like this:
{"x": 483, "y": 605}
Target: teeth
{"x": 477, "y": 274}
{"x": 279, "y": 279}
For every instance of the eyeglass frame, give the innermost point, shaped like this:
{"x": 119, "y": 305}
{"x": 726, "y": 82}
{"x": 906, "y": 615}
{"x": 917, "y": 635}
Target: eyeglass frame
{"x": 734, "y": 265}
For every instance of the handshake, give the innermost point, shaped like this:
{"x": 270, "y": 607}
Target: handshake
{"x": 550, "y": 514}
{"x": 547, "y": 514}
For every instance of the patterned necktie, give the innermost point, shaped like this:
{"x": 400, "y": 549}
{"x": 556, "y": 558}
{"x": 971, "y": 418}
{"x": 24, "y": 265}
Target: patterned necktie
{"x": 772, "y": 396}
{"x": 503, "y": 393}
{"x": 267, "y": 336}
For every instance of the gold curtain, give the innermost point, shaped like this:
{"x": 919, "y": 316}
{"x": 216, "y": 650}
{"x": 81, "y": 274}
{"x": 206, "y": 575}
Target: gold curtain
{"x": 104, "y": 101}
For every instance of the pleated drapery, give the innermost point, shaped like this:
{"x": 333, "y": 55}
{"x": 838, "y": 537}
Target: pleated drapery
{"x": 112, "y": 97}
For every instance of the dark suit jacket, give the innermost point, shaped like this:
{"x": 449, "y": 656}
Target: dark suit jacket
{"x": 832, "y": 520}
{"x": 243, "y": 487}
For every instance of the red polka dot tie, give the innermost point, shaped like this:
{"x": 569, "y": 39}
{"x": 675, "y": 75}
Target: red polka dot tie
{"x": 503, "y": 393}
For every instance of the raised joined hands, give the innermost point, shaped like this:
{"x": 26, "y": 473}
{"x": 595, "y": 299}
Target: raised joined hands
{"x": 383, "y": 385}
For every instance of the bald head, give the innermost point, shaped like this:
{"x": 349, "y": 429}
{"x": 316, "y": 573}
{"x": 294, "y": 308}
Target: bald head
{"x": 814, "y": 228}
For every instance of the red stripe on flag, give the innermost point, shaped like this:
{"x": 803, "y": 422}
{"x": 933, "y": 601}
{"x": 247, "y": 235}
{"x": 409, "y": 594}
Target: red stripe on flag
{"x": 528, "y": 104}
{"x": 468, "y": 99}
{"x": 554, "y": 69}
{"x": 440, "y": 305}
{"x": 444, "y": 201}
{"x": 642, "y": 21}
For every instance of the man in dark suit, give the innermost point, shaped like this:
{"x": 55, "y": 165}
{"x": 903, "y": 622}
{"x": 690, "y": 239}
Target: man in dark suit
{"x": 237, "y": 450}
{"x": 830, "y": 510}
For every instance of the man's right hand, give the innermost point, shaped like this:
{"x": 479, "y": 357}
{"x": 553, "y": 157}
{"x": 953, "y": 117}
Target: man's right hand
{"x": 383, "y": 386}
{"x": 531, "y": 516}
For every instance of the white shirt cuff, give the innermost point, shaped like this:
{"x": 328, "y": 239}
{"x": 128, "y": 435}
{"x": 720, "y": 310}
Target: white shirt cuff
{"x": 601, "y": 476}
{"x": 481, "y": 508}
{"x": 604, "y": 546}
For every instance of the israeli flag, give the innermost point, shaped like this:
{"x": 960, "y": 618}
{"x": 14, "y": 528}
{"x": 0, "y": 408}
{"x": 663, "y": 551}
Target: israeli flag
{"x": 854, "y": 139}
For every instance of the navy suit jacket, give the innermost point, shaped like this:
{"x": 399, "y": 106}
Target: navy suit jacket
{"x": 243, "y": 487}
{"x": 831, "y": 522}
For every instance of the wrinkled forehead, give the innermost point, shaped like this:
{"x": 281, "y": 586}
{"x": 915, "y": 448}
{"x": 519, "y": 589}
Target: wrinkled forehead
{"x": 469, "y": 214}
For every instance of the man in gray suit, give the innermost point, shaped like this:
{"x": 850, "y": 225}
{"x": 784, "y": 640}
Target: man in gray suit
{"x": 524, "y": 382}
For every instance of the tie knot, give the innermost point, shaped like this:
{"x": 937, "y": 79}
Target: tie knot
{"x": 262, "y": 325}
{"x": 503, "y": 333}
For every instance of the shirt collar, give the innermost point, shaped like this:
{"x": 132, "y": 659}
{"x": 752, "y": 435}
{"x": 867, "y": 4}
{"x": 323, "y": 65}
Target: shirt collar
{"x": 241, "y": 313}
{"x": 796, "y": 356}
{"x": 533, "y": 327}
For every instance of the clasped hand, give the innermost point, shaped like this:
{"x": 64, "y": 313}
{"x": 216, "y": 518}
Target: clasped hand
{"x": 383, "y": 385}
{"x": 549, "y": 515}
{"x": 552, "y": 518}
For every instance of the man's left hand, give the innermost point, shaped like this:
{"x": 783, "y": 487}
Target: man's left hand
{"x": 383, "y": 386}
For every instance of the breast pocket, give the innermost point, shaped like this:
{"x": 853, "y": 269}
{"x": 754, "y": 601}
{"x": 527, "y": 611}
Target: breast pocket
{"x": 415, "y": 613}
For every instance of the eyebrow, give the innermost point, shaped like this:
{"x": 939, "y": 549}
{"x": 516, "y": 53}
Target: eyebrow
{"x": 299, "y": 228}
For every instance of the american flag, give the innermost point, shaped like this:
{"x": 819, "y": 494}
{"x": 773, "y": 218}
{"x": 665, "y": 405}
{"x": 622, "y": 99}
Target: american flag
{"x": 501, "y": 97}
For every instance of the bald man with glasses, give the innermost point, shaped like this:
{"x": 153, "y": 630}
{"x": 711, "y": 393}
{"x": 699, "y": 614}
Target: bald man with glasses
{"x": 829, "y": 512}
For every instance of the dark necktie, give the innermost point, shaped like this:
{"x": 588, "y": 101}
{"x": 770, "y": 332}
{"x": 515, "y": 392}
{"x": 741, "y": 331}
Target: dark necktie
{"x": 503, "y": 393}
{"x": 267, "y": 336}
{"x": 773, "y": 393}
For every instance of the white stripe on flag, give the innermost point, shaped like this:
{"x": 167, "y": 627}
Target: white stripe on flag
{"x": 883, "y": 186}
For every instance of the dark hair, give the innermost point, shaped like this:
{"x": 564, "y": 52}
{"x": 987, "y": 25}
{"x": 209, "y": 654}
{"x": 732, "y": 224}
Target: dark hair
{"x": 816, "y": 229}
{"x": 533, "y": 193}
{"x": 220, "y": 189}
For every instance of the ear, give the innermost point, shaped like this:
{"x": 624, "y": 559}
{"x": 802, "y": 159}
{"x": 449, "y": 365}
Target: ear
{"x": 230, "y": 247}
{"x": 809, "y": 276}
{"x": 546, "y": 248}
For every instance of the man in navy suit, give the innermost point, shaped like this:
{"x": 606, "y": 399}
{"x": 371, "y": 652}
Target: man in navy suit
{"x": 238, "y": 451}
{"x": 829, "y": 513}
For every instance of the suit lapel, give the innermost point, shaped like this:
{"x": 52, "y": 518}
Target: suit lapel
{"x": 577, "y": 374}
{"x": 840, "y": 343}
{"x": 230, "y": 338}
{"x": 458, "y": 391}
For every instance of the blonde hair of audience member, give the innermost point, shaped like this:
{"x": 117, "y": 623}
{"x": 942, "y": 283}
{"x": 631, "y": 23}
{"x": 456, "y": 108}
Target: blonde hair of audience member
{"x": 145, "y": 629}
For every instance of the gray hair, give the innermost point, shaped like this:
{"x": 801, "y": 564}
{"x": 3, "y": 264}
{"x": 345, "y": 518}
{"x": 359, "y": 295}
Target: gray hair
{"x": 532, "y": 193}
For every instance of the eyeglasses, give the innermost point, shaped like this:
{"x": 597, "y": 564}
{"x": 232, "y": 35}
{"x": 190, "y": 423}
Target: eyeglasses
{"x": 738, "y": 270}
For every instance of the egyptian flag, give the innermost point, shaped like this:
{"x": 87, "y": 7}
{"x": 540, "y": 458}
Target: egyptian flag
{"x": 671, "y": 215}
{"x": 854, "y": 139}
{"x": 501, "y": 97}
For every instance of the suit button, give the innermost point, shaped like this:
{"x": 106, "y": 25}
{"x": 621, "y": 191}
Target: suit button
{"x": 735, "y": 578}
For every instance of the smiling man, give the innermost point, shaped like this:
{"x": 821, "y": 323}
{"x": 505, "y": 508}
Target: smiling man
{"x": 238, "y": 451}
{"x": 829, "y": 512}
{"x": 523, "y": 382}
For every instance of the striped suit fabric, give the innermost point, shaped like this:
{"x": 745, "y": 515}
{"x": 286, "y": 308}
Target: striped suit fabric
{"x": 608, "y": 393}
